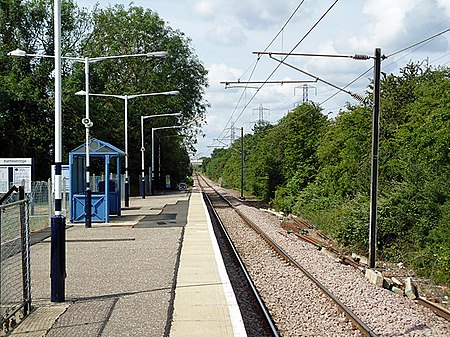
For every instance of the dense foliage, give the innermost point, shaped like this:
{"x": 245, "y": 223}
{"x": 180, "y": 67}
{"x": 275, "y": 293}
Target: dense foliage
{"x": 320, "y": 169}
{"x": 27, "y": 84}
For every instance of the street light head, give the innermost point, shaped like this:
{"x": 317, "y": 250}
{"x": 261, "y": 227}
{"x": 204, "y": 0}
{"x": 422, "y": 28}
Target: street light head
{"x": 158, "y": 54}
{"x": 173, "y": 93}
{"x": 17, "y": 52}
{"x": 81, "y": 93}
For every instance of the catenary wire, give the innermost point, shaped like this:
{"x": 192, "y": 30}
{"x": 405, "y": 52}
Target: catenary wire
{"x": 278, "y": 34}
{"x": 256, "y": 63}
{"x": 390, "y": 55}
{"x": 284, "y": 58}
{"x": 418, "y": 43}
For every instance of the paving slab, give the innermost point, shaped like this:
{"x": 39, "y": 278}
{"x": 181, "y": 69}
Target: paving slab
{"x": 40, "y": 320}
{"x": 120, "y": 278}
{"x": 204, "y": 301}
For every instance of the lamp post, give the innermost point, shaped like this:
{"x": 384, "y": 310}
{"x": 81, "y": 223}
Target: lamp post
{"x": 88, "y": 124}
{"x": 58, "y": 221}
{"x": 152, "y": 172}
{"x": 126, "y": 98}
{"x": 58, "y": 255}
{"x": 143, "y": 149}
{"x": 86, "y": 121}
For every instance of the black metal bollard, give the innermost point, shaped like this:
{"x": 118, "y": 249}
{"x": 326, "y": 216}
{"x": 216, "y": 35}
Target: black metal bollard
{"x": 88, "y": 208}
{"x": 127, "y": 193}
{"x": 58, "y": 258}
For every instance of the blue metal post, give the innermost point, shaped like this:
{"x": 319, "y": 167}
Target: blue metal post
{"x": 88, "y": 124}
{"x": 127, "y": 183}
{"x": 107, "y": 189}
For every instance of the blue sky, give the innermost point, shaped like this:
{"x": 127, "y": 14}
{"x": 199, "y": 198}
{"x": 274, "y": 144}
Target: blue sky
{"x": 224, "y": 34}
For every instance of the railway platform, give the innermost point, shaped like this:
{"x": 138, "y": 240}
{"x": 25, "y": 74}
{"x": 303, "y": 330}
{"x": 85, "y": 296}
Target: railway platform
{"x": 154, "y": 271}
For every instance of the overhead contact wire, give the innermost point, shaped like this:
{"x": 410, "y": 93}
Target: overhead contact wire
{"x": 256, "y": 63}
{"x": 390, "y": 55}
{"x": 284, "y": 58}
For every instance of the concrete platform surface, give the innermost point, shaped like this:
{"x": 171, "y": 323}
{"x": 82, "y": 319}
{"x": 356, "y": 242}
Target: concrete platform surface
{"x": 205, "y": 304}
{"x": 121, "y": 276}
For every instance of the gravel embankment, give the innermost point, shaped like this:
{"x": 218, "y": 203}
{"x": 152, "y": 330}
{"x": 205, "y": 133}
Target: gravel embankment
{"x": 299, "y": 309}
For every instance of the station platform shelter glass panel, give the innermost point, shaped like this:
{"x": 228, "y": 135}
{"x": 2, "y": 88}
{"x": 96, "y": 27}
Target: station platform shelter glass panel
{"x": 106, "y": 201}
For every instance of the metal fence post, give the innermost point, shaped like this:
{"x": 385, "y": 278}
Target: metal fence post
{"x": 25, "y": 249}
{"x": 32, "y": 196}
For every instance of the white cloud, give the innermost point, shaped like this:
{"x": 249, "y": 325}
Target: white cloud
{"x": 444, "y": 4}
{"x": 394, "y": 25}
{"x": 226, "y": 35}
{"x": 205, "y": 8}
{"x": 251, "y": 14}
{"x": 217, "y": 94}
{"x": 219, "y": 72}
{"x": 255, "y": 14}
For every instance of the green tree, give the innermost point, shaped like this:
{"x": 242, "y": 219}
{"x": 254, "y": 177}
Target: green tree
{"x": 262, "y": 158}
{"x": 26, "y": 89}
{"x": 26, "y": 84}
{"x": 333, "y": 189}
{"x": 119, "y": 31}
{"x": 344, "y": 153}
{"x": 214, "y": 165}
{"x": 299, "y": 135}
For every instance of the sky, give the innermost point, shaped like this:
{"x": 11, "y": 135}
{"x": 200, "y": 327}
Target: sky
{"x": 225, "y": 33}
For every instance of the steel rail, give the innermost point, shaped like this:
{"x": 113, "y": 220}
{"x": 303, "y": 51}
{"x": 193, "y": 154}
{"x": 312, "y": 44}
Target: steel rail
{"x": 266, "y": 315}
{"x": 437, "y": 309}
{"x": 357, "y": 322}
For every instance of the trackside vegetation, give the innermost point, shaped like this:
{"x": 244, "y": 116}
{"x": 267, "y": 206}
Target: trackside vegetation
{"x": 319, "y": 169}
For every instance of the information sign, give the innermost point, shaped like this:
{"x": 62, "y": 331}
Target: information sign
{"x": 167, "y": 181}
{"x": 13, "y": 171}
{"x": 3, "y": 180}
{"x": 22, "y": 174}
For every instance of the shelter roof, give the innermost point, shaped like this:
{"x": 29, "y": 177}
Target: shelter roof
{"x": 97, "y": 148}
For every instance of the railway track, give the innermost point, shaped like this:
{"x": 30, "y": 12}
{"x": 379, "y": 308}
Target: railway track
{"x": 356, "y": 322}
{"x": 255, "y": 315}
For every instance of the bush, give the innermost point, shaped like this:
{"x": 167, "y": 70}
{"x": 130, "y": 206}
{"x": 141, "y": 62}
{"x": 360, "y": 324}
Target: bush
{"x": 320, "y": 170}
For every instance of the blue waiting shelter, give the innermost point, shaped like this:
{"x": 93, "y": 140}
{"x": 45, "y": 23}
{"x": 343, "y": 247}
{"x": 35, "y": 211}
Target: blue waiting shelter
{"x": 107, "y": 200}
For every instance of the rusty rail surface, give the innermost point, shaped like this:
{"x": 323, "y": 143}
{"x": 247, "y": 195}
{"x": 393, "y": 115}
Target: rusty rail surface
{"x": 437, "y": 309}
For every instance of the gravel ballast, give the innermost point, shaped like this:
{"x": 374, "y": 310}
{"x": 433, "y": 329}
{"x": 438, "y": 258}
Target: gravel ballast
{"x": 299, "y": 308}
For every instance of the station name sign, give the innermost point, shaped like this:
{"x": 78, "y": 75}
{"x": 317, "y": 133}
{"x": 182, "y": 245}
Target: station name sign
{"x": 15, "y": 171}
{"x": 15, "y": 161}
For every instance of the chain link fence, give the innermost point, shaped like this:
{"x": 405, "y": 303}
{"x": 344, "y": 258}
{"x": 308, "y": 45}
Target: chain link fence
{"x": 15, "y": 281}
{"x": 42, "y": 203}
{"x": 18, "y": 218}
